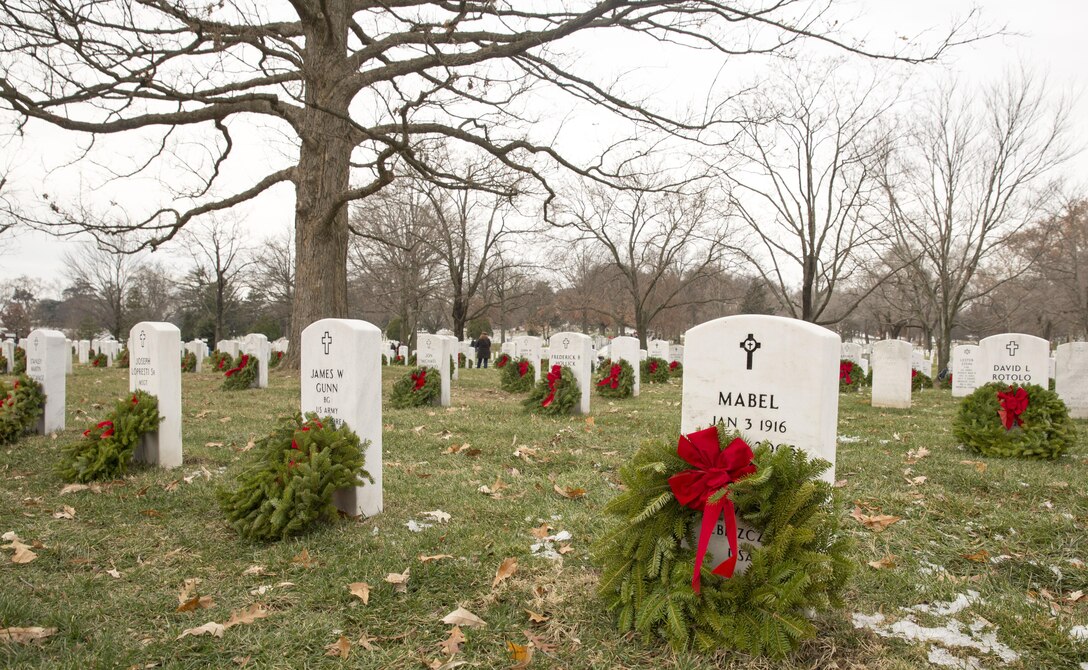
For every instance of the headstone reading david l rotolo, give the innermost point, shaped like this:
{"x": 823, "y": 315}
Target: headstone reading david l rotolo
{"x": 965, "y": 369}
{"x": 1071, "y": 377}
{"x": 891, "y": 363}
{"x": 627, "y": 349}
{"x": 45, "y": 354}
{"x": 154, "y": 351}
{"x": 1015, "y": 358}
{"x": 341, "y": 373}
{"x": 575, "y": 351}
{"x": 256, "y": 344}
{"x": 770, "y": 379}
{"x": 433, "y": 351}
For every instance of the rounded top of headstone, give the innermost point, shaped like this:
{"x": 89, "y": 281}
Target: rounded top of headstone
{"x": 742, "y": 321}
{"x": 352, "y": 324}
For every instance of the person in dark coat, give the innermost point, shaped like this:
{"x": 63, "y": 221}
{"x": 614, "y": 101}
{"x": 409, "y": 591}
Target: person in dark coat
{"x": 483, "y": 350}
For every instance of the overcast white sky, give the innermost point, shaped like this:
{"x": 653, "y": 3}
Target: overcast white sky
{"x": 1048, "y": 39}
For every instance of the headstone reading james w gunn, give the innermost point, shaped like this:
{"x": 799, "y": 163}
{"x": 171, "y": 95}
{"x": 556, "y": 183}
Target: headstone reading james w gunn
{"x": 341, "y": 371}
{"x": 1015, "y": 358}
{"x": 45, "y": 354}
{"x": 154, "y": 351}
{"x": 574, "y": 350}
{"x": 1071, "y": 377}
{"x": 433, "y": 351}
{"x": 891, "y": 361}
{"x": 768, "y": 378}
{"x": 965, "y": 370}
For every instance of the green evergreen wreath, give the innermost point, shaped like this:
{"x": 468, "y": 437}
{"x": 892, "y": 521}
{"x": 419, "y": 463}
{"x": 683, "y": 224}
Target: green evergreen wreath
{"x": 412, "y": 360}
{"x": 1045, "y": 433}
{"x": 919, "y": 381}
{"x": 277, "y": 358}
{"x": 20, "y": 408}
{"x": 655, "y": 370}
{"x": 3, "y": 363}
{"x": 851, "y": 377}
{"x": 97, "y": 360}
{"x": 244, "y": 375}
{"x": 221, "y": 360}
{"x": 461, "y": 360}
{"x": 676, "y": 369}
{"x": 20, "y": 362}
{"x": 105, "y": 451}
{"x": 409, "y": 392}
{"x": 556, "y": 394}
{"x": 188, "y": 362}
{"x": 502, "y": 360}
{"x": 122, "y": 359}
{"x": 518, "y": 376}
{"x": 290, "y": 488}
{"x": 612, "y": 383}
{"x": 803, "y": 565}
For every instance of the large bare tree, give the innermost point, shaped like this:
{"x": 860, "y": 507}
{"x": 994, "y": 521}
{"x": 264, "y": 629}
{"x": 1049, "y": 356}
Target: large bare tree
{"x": 217, "y": 249}
{"x": 360, "y": 86}
{"x": 975, "y": 172}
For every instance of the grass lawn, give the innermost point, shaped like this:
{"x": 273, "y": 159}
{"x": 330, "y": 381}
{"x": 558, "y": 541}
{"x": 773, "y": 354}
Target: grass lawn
{"x": 1012, "y": 532}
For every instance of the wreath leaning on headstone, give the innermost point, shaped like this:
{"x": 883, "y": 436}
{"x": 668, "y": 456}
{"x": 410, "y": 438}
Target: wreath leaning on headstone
{"x": 105, "y": 451}
{"x": 20, "y": 408}
{"x": 655, "y": 370}
{"x": 851, "y": 377}
{"x": 502, "y": 360}
{"x": 97, "y": 360}
{"x": 616, "y": 379}
{"x": 277, "y": 358}
{"x": 290, "y": 488}
{"x": 121, "y": 361}
{"x": 919, "y": 381}
{"x": 556, "y": 394}
{"x": 652, "y": 578}
{"x": 3, "y": 363}
{"x": 1027, "y": 421}
{"x": 518, "y": 377}
{"x": 20, "y": 362}
{"x": 221, "y": 360}
{"x": 244, "y": 375}
{"x": 676, "y": 369}
{"x": 188, "y": 362}
{"x": 420, "y": 386}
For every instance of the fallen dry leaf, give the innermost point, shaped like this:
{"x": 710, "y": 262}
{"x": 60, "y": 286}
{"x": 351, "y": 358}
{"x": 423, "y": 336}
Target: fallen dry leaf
{"x": 360, "y": 590}
{"x": 249, "y": 445}
{"x": 538, "y": 642}
{"x": 225, "y": 419}
{"x": 341, "y": 648}
{"x": 540, "y": 532}
{"x": 248, "y": 615}
{"x": 915, "y": 455}
{"x": 152, "y": 513}
{"x": 399, "y": 581}
{"x": 65, "y": 513}
{"x": 590, "y": 422}
{"x": 210, "y": 628}
{"x": 196, "y": 603}
{"x": 569, "y": 493}
{"x": 980, "y": 556}
{"x": 521, "y": 654}
{"x": 22, "y": 554}
{"x": 437, "y": 557}
{"x": 979, "y": 465}
{"x": 203, "y": 413}
{"x": 462, "y": 617}
{"x": 876, "y": 522}
{"x": 506, "y": 570}
{"x": 76, "y": 488}
{"x": 254, "y": 570}
{"x": 437, "y": 515}
{"x": 114, "y": 572}
{"x": 451, "y": 646}
{"x": 171, "y": 486}
{"x": 565, "y": 549}
{"x": 536, "y": 618}
{"x": 213, "y": 444}
{"x": 25, "y": 635}
{"x": 365, "y": 643}
{"x": 884, "y": 563}
{"x": 304, "y": 559}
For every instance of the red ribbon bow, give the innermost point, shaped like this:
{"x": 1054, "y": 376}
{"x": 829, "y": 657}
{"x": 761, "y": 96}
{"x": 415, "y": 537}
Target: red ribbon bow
{"x": 653, "y": 367}
{"x": 1013, "y": 403}
{"x": 672, "y": 366}
{"x": 420, "y": 378}
{"x": 502, "y": 361}
{"x": 553, "y": 378}
{"x": 913, "y": 373}
{"x": 613, "y": 378}
{"x": 108, "y": 432}
{"x": 715, "y": 468}
{"x": 241, "y": 364}
{"x": 523, "y": 368}
{"x": 845, "y": 368}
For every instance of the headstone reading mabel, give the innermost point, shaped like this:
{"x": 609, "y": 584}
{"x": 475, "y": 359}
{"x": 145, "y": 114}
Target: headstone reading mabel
{"x": 768, "y": 378}
{"x": 965, "y": 370}
{"x": 626, "y": 349}
{"x": 1015, "y": 358}
{"x": 341, "y": 373}
{"x": 1071, "y": 377}
{"x": 574, "y": 350}
{"x": 154, "y": 352}
{"x": 433, "y": 351}
{"x": 45, "y": 355}
{"x": 891, "y": 362}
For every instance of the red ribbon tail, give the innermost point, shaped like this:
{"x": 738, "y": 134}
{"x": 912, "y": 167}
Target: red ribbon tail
{"x": 726, "y": 567}
{"x": 711, "y": 512}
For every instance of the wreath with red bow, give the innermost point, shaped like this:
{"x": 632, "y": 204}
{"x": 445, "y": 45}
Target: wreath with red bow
{"x": 655, "y": 370}
{"x": 221, "y": 361}
{"x": 676, "y": 369}
{"x": 502, "y": 360}
{"x": 121, "y": 361}
{"x": 188, "y": 362}
{"x": 421, "y": 386}
{"x": 290, "y": 487}
{"x": 556, "y": 394}
{"x": 851, "y": 376}
{"x": 616, "y": 379}
{"x": 20, "y": 408}
{"x": 518, "y": 377}
{"x": 277, "y": 358}
{"x": 658, "y": 581}
{"x": 1026, "y": 421}
{"x": 105, "y": 450}
{"x": 919, "y": 380}
{"x": 97, "y": 360}
{"x": 244, "y": 375}
{"x": 19, "y": 365}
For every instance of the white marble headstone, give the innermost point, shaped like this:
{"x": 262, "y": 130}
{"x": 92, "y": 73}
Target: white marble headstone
{"x": 658, "y": 348}
{"x": 403, "y": 353}
{"x": 769, "y": 378}
{"x": 84, "y": 351}
{"x": 154, "y": 352}
{"x": 575, "y": 351}
{"x": 1015, "y": 358}
{"x": 918, "y": 362}
{"x": 891, "y": 361}
{"x": 341, "y": 373}
{"x": 1071, "y": 377}
{"x": 196, "y": 348}
{"x": 7, "y": 347}
{"x": 434, "y": 351}
{"x": 966, "y": 369}
{"x": 676, "y": 353}
{"x": 626, "y": 348}
{"x": 529, "y": 347}
{"x": 68, "y": 359}
{"x": 851, "y": 352}
{"x": 256, "y": 344}
{"x": 45, "y": 354}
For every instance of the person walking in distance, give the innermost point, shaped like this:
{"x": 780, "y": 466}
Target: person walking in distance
{"x": 483, "y": 350}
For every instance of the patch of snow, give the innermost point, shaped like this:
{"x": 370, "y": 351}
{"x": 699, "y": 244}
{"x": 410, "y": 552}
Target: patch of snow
{"x": 942, "y": 657}
{"x": 416, "y": 527}
{"x": 849, "y": 439}
{"x": 1078, "y": 633}
{"x": 546, "y": 547}
{"x": 956, "y": 606}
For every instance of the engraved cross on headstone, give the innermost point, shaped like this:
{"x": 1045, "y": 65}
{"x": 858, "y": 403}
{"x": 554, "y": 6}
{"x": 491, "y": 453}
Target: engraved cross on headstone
{"x": 750, "y": 345}
{"x": 1012, "y": 346}
{"x": 143, "y": 338}
{"x": 566, "y": 342}
{"x": 326, "y": 339}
